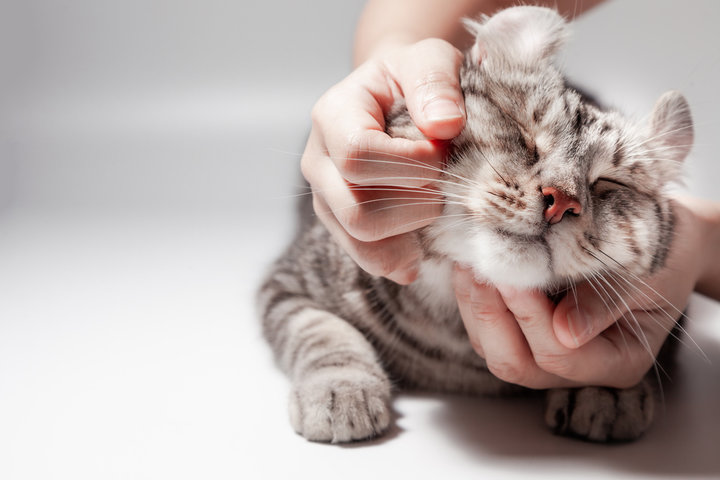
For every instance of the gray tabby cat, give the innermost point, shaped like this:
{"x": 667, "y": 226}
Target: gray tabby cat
{"x": 542, "y": 188}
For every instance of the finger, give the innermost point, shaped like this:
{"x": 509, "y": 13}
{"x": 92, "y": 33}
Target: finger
{"x": 395, "y": 258}
{"x": 369, "y": 213}
{"x": 431, "y": 85}
{"x": 623, "y": 353}
{"x": 463, "y": 281}
{"x": 352, "y": 119}
{"x": 591, "y": 308}
{"x": 618, "y": 358}
{"x": 491, "y": 325}
{"x": 533, "y": 312}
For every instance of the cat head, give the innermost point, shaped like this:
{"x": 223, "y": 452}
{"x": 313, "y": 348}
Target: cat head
{"x": 543, "y": 186}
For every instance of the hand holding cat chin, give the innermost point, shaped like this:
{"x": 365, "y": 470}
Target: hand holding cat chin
{"x": 367, "y": 187}
{"x": 527, "y": 340}
{"x": 514, "y": 331}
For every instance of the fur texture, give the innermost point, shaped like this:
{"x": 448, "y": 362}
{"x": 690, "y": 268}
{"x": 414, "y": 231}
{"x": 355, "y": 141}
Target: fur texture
{"x": 345, "y": 337}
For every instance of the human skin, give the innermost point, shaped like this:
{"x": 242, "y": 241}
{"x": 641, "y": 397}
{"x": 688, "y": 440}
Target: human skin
{"x": 403, "y": 48}
{"x": 411, "y": 49}
{"x": 527, "y": 340}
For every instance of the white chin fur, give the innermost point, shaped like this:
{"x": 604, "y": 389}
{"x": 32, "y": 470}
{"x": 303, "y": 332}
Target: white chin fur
{"x": 497, "y": 259}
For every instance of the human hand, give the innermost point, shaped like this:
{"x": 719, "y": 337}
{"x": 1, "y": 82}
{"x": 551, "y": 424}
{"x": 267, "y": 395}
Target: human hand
{"x": 607, "y": 333}
{"x": 372, "y": 191}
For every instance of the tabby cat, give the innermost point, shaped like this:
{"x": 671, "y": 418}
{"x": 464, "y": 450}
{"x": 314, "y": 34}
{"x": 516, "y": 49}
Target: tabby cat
{"x": 542, "y": 187}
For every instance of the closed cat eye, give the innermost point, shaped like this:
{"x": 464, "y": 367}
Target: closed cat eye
{"x": 610, "y": 181}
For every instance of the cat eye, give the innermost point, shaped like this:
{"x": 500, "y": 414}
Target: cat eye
{"x": 603, "y": 180}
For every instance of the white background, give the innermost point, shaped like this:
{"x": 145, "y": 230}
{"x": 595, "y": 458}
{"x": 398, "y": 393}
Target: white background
{"x": 148, "y": 157}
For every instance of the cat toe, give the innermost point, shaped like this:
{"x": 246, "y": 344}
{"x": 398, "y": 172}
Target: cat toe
{"x": 337, "y": 410}
{"x": 600, "y": 414}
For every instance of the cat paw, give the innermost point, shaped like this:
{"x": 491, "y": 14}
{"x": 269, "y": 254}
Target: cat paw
{"x": 600, "y": 414}
{"x": 340, "y": 406}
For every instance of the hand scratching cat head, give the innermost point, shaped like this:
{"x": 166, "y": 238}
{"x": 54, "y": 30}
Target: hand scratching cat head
{"x": 543, "y": 186}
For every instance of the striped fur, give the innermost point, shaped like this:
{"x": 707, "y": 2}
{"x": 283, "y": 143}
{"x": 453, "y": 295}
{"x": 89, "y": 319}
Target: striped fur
{"x": 346, "y": 338}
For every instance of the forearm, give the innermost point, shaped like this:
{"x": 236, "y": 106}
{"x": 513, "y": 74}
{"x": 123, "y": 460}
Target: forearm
{"x": 385, "y": 24}
{"x": 709, "y": 218}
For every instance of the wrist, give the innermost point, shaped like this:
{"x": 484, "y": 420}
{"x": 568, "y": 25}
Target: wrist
{"x": 705, "y": 219}
{"x": 383, "y": 47}
{"x": 709, "y": 279}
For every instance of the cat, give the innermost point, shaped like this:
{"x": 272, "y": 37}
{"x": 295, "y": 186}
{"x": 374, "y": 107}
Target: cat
{"x": 549, "y": 188}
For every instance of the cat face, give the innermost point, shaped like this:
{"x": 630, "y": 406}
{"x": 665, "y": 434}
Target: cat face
{"x": 543, "y": 186}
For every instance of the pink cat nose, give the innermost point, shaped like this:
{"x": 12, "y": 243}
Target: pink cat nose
{"x": 558, "y": 203}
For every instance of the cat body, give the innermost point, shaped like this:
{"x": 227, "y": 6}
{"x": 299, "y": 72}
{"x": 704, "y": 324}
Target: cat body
{"x": 542, "y": 189}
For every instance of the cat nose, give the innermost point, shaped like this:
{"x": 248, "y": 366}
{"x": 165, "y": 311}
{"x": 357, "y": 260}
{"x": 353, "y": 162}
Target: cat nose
{"x": 558, "y": 203}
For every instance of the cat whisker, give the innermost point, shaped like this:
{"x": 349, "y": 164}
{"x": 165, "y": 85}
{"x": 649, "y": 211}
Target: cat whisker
{"x": 665, "y": 133}
{"x": 410, "y": 163}
{"x": 657, "y": 368}
{"x": 433, "y": 168}
{"x": 648, "y": 152}
{"x": 383, "y": 188}
{"x": 660, "y": 309}
{"x": 415, "y": 164}
{"x": 645, "y": 284}
{"x": 657, "y": 307}
{"x": 335, "y": 211}
{"x": 617, "y": 274}
{"x": 444, "y": 228}
{"x": 639, "y": 334}
{"x": 412, "y": 204}
{"x": 368, "y": 181}
{"x": 619, "y": 311}
{"x": 403, "y": 226}
{"x": 392, "y": 188}
{"x": 493, "y": 167}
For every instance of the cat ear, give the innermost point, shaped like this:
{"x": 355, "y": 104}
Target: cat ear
{"x": 518, "y": 35}
{"x": 670, "y": 132}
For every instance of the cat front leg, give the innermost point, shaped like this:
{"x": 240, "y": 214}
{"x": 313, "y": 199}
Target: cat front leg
{"x": 601, "y": 414}
{"x": 340, "y": 392}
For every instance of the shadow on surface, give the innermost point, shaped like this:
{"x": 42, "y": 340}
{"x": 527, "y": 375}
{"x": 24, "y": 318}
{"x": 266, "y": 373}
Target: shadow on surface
{"x": 683, "y": 440}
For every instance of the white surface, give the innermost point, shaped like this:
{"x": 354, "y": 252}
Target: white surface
{"x": 145, "y": 189}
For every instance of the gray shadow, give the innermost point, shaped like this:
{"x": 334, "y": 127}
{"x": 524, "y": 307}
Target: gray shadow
{"x": 683, "y": 441}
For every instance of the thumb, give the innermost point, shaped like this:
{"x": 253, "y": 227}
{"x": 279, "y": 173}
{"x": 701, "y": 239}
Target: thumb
{"x": 429, "y": 77}
{"x": 581, "y": 316}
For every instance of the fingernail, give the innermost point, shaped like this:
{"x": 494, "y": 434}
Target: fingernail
{"x": 442, "y": 109}
{"x": 579, "y": 325}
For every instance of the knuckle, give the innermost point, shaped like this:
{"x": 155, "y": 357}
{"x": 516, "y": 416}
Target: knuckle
{"x": 555, "y": 364}
{"x": 308, "y": 168}
{"x": 457, "y": 56}
{"x": 436, "y": 80}
{"x": 462, "y": 293}
{"x": 441, "y": 48}
{"x": 375, "y": 264}
{"x": 524, "y": 319}
{"x": 319, "y": 111}
{"x": 629, "y": 378}
{"x": 328, "y": 106}
{"x": 321, "y": 209}
{"x": 350, "y": 163}
{"x": 510, "y": 372}
{"x": 627, "y": 382}
{"x": 634, "y": 374}
{"x": 377, "y": 260}
{"x": 355, "y": 222}
{"x": 486, "y": 313}
{"x": 476, "y": 345}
